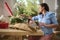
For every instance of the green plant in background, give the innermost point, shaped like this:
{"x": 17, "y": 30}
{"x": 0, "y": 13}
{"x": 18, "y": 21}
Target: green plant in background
{"x": 29, "y": 9}
{"x": 19, "y": 8}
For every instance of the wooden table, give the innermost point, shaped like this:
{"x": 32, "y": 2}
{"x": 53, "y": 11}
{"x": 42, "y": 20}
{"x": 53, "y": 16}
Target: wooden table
{"x": 20, "y": 33}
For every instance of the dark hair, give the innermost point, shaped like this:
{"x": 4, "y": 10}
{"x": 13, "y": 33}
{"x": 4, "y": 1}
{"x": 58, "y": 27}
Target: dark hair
{"x": 45, "y": 5}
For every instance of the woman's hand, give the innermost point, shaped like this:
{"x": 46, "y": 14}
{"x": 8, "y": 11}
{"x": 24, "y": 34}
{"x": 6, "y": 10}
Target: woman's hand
{"x": 30, "y": 17}
{"x": 42, "y": 24}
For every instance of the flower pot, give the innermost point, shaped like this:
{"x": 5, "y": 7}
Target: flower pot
{"x": 3, "y": 25}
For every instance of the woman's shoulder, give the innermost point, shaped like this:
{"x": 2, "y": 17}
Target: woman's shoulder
{"x": 50, "y": 13}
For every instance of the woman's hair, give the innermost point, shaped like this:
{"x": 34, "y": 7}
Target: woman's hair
{"x": 45, "y": 6}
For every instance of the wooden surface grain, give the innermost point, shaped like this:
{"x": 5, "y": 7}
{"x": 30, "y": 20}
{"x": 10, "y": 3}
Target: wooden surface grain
{"x": 19, "y": 32}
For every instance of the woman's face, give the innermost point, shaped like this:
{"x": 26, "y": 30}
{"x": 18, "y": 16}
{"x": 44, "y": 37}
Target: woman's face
{"x": 41, "y": 8}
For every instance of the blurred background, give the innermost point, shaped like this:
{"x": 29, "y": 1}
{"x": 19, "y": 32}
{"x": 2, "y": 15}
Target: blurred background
{"x": 28, "y": 6}
{"x": 10, "y": 8}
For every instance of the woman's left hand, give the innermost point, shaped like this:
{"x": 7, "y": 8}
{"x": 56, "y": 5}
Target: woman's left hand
{"x": 42, "y": 24}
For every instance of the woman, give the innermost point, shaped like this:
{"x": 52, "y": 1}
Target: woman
{"x": 47, "y": 21}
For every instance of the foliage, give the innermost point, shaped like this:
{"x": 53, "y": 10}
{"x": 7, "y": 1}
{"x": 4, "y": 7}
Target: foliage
{"x": 31, "y": 8}
{"x": 28, "y": 10}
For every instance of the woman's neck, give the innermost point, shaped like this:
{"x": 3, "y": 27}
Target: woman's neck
{"x": 44, "y": 12}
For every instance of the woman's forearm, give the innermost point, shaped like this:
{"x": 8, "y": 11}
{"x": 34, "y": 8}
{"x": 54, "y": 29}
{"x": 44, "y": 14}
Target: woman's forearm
{"x": 51, "y": 25}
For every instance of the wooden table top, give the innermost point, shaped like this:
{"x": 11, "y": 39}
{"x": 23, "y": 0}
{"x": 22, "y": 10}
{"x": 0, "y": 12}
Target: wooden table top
{"x": 19, "y": 32}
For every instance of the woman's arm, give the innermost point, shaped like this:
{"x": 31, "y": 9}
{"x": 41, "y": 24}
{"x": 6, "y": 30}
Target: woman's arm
{"x": 50, "y": 25}
{"x": 53, "y": 24}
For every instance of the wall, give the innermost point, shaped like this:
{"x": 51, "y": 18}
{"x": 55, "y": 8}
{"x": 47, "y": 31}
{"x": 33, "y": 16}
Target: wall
{"x": 3, "y": 10}
{"x": 51, "y": 4}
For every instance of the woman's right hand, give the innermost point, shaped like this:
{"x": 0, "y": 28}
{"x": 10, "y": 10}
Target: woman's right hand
{"x": 29, "y": 17}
